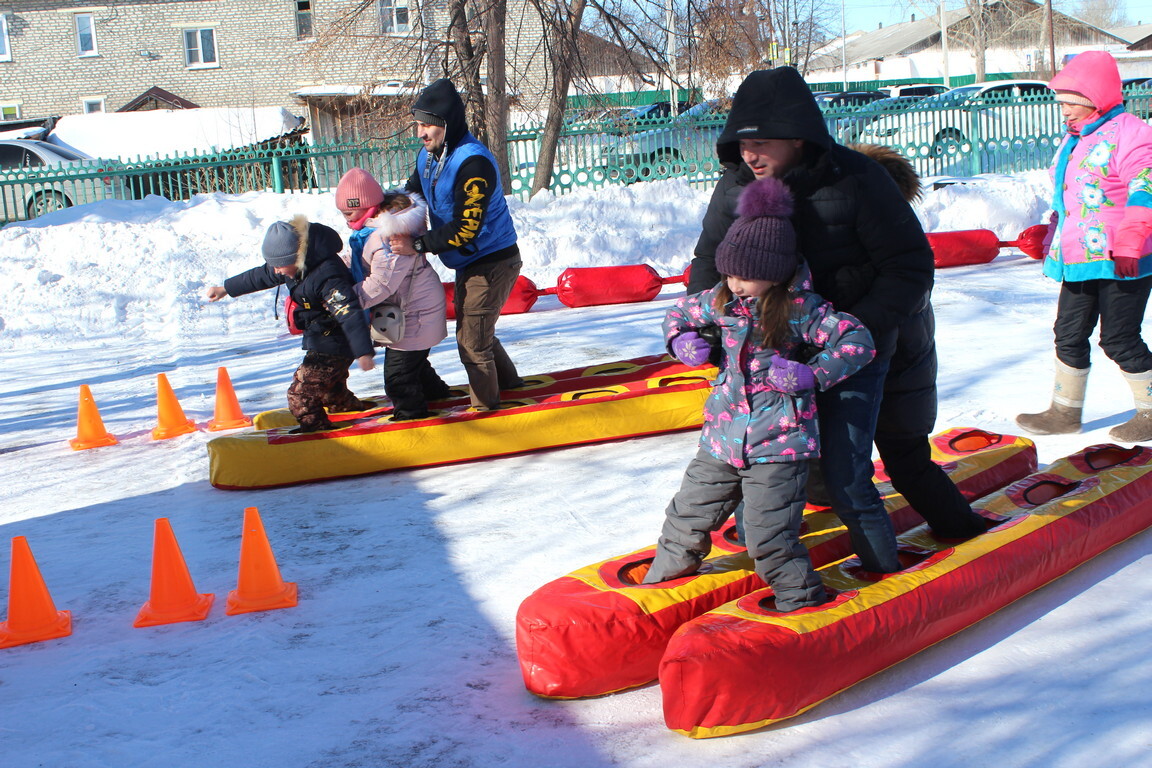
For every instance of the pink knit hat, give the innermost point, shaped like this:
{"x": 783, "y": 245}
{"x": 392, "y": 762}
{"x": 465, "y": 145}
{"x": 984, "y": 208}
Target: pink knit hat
{"x": 358, "y": 189}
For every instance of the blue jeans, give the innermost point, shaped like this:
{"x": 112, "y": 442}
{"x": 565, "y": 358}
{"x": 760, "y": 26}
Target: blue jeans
{"x": 847, "y": 415}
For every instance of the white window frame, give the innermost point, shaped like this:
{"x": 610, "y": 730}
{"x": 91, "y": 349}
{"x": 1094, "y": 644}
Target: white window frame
{"x": 91, "y": 23}
{"x": 389, "y": 24}
{"x": 5, "y": 43}
{"x": 88, "y": 101}
{"x": 197, "y": 33}
{"x": 11, "y": 105}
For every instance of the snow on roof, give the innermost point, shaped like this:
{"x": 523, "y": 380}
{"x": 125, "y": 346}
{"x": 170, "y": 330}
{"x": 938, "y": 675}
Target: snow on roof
{"x": 168, "y": 132}
{"x": 390, "y": 88}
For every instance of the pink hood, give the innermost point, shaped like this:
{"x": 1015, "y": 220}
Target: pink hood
{"x": 1092, "y": 74}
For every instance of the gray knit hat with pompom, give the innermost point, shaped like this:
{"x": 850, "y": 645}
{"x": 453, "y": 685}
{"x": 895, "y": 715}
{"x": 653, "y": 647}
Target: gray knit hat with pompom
{"x": 761, "y": 243}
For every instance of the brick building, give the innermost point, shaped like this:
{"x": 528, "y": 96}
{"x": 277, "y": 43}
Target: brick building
{"x": 60, "y": 57}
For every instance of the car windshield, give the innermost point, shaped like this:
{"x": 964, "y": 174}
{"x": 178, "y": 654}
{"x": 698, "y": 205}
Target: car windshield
{"x": 701, "y": 110}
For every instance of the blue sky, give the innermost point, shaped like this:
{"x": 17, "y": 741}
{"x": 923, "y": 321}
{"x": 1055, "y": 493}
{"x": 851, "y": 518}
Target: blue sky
{"x": 867, "y": 14}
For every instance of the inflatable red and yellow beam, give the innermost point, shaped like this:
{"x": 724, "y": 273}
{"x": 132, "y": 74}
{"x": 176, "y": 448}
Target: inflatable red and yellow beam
{"x": 611, "y": 401}
{"x": 742, "y": 666}
{"x": 599, "y": 630}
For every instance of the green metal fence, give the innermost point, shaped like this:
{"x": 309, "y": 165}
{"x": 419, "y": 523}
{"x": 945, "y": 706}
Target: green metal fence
{"x": 938, "y": 136}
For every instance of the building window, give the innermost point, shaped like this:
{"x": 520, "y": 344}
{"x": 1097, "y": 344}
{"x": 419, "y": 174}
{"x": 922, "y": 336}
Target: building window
{"x": 93, "y": 104}
{"x": 394, "y": 17}
{"x": 9, "y": 111}
{"x": 5, "y": 51}
{"x": 200, "y": 47}
{"x": 85, "y": 34}
{"x": 303, "y": 19}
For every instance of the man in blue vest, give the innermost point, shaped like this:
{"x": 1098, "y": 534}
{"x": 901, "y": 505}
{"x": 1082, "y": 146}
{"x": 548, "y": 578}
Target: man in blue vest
{"x": 471, "y": 231}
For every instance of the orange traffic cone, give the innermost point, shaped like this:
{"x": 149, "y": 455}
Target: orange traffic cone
{"x": 171, "y": 419}
{"x": 90, "y": 431}
{"x": 228, "y": 414}
{"x": 173, "y": 597}
{"x": 32, "y": 616}
{"x": 260, "y": 587}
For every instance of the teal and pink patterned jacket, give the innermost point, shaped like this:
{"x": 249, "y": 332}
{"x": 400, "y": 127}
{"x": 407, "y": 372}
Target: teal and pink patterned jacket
{"x": 1097, "y": 176}
{"x": 745, "y": 421}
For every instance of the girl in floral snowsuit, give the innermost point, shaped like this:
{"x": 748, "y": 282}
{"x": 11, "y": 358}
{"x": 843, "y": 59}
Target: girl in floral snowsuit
{"x": 760, "y": 421}
{"x": 1101, "y": 243}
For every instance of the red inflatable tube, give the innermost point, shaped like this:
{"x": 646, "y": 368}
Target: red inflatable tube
{"x": 743, "y": 666}
{"x": 520, "y": 300}
{"x": 595, "y": 286}
{"x": 597, "y": 630}
{"x": 980, "y": 246}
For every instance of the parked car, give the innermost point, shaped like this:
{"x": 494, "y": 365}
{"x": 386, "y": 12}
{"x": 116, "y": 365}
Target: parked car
{"x": 827, "y": 101}
{"x": 946, "y": 123}
{"x": 916, "y": 89}
{"x": 847, "y": 129}
{"x": 689, "y": 139}
{"x": 29, "y": 198}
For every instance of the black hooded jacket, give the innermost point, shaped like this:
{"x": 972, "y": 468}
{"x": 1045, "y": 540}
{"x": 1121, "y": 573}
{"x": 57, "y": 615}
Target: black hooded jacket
{"x": 328, "y": 311}
{"x": 866, "y": 250}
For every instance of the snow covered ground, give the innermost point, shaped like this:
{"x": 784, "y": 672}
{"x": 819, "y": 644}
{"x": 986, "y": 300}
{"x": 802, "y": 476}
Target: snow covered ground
{"x": 401, "y": 651}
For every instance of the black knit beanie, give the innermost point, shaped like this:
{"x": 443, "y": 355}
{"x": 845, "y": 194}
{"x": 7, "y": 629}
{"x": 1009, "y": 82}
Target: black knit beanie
{"x": 761, "y": 243}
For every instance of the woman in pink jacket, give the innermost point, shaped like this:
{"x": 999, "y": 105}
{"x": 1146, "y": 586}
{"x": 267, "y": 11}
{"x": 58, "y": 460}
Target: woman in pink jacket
{"x": 381, "y": 275}
{"x": 1102, "y": 178}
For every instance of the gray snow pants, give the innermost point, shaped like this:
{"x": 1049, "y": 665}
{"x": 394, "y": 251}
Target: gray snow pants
{"x": 773, "y": 497}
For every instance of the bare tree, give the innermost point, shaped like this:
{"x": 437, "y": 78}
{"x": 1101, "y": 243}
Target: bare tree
{"x": 561, "y": 28}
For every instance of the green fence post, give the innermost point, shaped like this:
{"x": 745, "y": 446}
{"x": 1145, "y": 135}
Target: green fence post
{"x": 277, "y": 174}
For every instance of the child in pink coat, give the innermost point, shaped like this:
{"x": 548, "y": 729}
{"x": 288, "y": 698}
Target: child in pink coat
{"x": 381, "y": 275}
{"x": 1102, "y": 177}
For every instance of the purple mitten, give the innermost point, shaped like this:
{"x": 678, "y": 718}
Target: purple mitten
{"x": 786, "y": 375}
{"x": 690, "y": 349}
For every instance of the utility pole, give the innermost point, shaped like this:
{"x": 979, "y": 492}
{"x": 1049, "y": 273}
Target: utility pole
{"x": 670, "y": 53}
{"x": 944, "y": 43}
{"x": 1050, "y": 33}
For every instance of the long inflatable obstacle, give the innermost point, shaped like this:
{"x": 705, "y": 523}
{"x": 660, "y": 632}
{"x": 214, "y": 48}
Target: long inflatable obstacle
{"x": 980, "y": 246}
{"x": 584, "y": 287}
{"x": 742, "y": 666}
{"x": 599, "y": 630}
{"x": 612, "y": 401}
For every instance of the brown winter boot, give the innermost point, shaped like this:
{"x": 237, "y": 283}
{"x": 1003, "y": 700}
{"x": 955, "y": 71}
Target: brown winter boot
{"x": 1138, "y": 429}
{"x": 1063, "y": 416}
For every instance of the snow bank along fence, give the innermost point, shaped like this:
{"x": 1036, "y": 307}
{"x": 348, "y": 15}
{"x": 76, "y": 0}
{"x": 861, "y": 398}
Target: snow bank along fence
{"x": 983, "y": 136}
{"x": 33, "y": 617}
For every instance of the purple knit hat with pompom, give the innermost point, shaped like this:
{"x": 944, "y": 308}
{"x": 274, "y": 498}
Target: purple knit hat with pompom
{"x": 761, "y": 243}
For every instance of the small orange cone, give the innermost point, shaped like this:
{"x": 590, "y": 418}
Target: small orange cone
{"x": 259, "y": 587}
{"x": 171, "y": 419}
{"x": 32, "y": 616}
{"x": 173, "y": 597}
{"x": 228, "y": 414}
{"x": 90, "y": 431}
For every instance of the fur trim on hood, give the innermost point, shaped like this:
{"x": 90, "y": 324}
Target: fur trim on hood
{"x": 898, "y": 167}
{"x": 413, "y": 220}
{"x": 299, "y": 223}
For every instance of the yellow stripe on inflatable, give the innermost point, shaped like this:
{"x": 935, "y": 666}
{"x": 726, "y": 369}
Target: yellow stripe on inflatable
{"x": 266, "y": 459}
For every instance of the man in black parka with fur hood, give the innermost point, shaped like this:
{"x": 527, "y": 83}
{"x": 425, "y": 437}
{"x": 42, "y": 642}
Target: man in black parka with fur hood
{"x": 869, "y": 256}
